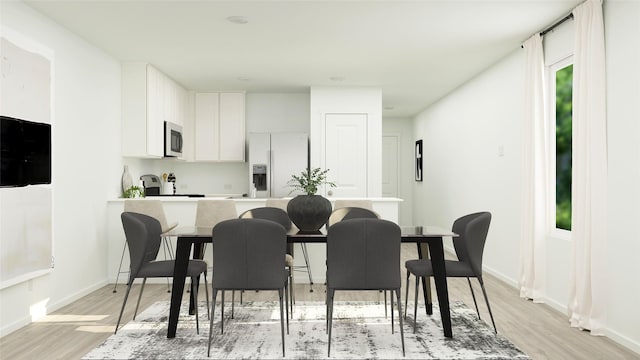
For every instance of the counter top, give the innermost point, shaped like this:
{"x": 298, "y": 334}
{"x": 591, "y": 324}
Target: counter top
{"x": 242, "y": 199}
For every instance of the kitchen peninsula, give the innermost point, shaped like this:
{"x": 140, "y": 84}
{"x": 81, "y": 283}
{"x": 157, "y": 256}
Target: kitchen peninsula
{"x": 183, "y": 210}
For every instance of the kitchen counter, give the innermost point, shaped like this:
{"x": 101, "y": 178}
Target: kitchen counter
{"x": 182, "y": 209}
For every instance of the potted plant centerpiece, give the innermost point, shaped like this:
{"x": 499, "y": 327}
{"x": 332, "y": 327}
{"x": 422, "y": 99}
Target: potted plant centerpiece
{"x": 309, "y": 212}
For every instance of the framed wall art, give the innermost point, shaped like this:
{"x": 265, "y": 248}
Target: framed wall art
{"x": 419, "y": 160}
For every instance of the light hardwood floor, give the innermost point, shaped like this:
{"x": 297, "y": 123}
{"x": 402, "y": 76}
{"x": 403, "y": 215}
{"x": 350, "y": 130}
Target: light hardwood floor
{"x": 538, "y": 330}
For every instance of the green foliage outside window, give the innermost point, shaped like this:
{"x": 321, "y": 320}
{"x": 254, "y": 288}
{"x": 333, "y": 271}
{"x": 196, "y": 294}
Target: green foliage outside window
{"x": 564, "y": 90}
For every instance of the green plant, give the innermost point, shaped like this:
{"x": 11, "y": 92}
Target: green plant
{"x": 133, "y": 192}
{"x": 309, "y": 180}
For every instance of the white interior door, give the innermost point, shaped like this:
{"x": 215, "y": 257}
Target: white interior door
{"x": 390, "y": 163}
{"x": 346, "y": 154}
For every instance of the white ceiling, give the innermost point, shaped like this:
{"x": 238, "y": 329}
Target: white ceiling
{"x": 415, "y": 51}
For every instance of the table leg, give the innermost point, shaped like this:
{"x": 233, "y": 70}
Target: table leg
{"x": 436, "y": 250}
{"x": 423, "y": 253}
{"x": 179, "y": 273}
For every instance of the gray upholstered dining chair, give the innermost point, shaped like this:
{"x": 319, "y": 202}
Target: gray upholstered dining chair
{"x": 143, "y": 236}
{"x": 343, "y": 212}
{"x": 363, "y": 254}
{"x": 248, "y": 256}
{"x": 282, "y": 203}
{"x": 472, "y": 232}
{"x": 279, "y": 216}
{"x": 154, "y": 209}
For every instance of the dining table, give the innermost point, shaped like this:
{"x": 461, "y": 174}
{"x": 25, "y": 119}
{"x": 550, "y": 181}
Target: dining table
{"x": 429, "y": 240}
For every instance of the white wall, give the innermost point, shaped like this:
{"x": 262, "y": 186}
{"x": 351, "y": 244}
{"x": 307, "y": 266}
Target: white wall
{"x": 464, "y": 173}
{"x": 622, "y": 31}
{"x": 86, "y": 167}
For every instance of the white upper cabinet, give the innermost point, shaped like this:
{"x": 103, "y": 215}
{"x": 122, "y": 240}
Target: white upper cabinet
{"x": 149, "y": 98}
{"x": 220, "y": 126}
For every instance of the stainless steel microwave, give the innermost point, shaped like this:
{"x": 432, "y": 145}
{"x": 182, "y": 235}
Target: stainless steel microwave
{"x": 172, "y": 139}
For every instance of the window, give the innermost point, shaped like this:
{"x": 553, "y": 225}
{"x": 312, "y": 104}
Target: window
{"x": 561, "y": 108}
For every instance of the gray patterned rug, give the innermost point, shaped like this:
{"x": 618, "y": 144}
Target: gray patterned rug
{"x": 360, "y": 330}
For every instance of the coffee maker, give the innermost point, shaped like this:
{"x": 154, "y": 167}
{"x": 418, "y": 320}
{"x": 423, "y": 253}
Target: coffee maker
{"x": 151, "y": 184}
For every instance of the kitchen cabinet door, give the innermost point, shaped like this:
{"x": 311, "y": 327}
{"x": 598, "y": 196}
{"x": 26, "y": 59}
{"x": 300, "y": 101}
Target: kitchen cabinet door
{"x": 206, "y": 127}
{"x": 155, "y": 112}
{"x": 149, "y": 98}
{"x": 232, "y": 134}
{"x": 219, "y": 126}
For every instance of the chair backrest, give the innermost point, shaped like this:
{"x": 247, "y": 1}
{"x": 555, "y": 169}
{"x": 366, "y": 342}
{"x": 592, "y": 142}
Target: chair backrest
{"x": 363, "y": 254}
{"x": 469, "y": 245}
{"x": 348, "y": 213}
{"x": 269, "y": 213}
{"x": 151, "y": 208}
{"x": 341, "y": 203}
{"x": 211, "y": 212}
{"x": 249, "y": 254}
{"x": 143, "y": 239}
{"x": 279, "y": 203}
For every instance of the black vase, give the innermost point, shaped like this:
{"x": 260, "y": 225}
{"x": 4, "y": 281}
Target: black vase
{"x": 309, "y": 212}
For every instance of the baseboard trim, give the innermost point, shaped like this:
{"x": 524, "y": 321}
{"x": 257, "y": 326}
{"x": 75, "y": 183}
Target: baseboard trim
{"x": 7, "y": 329}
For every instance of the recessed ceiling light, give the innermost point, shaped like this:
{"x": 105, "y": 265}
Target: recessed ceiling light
{"x": 337, "y": 78}
{"x": 237, "y": 19}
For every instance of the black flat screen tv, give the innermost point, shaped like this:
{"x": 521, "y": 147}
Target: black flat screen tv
{"x": 25, "y": 152}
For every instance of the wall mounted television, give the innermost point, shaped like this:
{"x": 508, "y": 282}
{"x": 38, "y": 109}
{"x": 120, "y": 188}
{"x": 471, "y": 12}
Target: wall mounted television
{"x": 25, "y": 152}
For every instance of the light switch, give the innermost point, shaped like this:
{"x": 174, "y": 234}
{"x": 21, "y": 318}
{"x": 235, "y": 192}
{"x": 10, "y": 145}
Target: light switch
{"x": 500, "y": 150}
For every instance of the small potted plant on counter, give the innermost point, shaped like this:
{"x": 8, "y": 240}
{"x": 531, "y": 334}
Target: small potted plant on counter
{"x": 308, "y": 211}
{"x": 133, "y": 192}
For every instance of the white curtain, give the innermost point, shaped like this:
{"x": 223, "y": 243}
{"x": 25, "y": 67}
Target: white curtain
{"x": 588, "y": 289}
{"x": 534, "y": 175}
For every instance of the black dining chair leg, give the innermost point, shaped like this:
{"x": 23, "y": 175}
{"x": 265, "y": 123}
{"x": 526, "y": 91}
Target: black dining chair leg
{"x": 194, "y": 291}
{"x": 473, "y": 295}
{"x": 124, "y": 302}
{"x": 415, "y": 305}
{"x": 385, "y": 308}
{"x": 486, "y": 299}
{"x": 406, "y": 296}
{"x": 286, "y": 303}
{"x": 233, "y": 302}
{"x": 330, "y": 294}
{"x": 222, "y": 313}
{"x": 292, "y": 296}
{"x": 400, "y": 318}
{"x": 326, "y": 304}
{"x": 385, "y": 303}
{"x": 214, "y": 293}
{"x": 206, "y": 293}
{"x": 281, "y": 320}
{"x": 135, "y": 312}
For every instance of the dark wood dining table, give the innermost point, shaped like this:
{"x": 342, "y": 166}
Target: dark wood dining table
{"x": 428, "y": 239}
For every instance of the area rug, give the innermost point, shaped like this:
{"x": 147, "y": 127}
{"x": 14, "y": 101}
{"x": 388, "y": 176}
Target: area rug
{"x": 360, "y": 330}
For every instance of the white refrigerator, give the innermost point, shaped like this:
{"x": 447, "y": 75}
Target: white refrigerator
{"x": 273, "y": 158}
